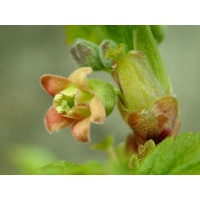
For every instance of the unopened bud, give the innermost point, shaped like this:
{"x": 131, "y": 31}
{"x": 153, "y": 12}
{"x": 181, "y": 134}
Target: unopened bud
{"x": 104, "y": 46}
{"x": 86, "y": 54}
{"x": 136, "y": 80}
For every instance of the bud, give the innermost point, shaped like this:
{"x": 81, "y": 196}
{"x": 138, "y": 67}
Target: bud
{"x": 103, "y": 47}
{"x": 135, "y": 78}
{"x": 86, "y": 54}
{"x": 143, "y": 103}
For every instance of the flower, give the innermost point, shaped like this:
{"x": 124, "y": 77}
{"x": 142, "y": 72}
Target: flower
{"x": 77, "y": 102}
{"x": 146, "y": 107}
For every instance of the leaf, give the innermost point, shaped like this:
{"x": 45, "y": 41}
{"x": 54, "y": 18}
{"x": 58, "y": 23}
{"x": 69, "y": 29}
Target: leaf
{"x": 144, "y": 150}
{"x": 174, "y": 156}
{"x": 27, "y": 158}
{"x": 90, "y": 168}
{"x": 69, "y": 168}
{"x": 98, "y": 33}
{"x": 134, "y": 163}
{"x": 93, "y": 33}
{"x": 127, "y": 36}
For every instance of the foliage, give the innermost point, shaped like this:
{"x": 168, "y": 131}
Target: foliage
{"x": 172, "y": 156}
{"x": 179, "y": 156}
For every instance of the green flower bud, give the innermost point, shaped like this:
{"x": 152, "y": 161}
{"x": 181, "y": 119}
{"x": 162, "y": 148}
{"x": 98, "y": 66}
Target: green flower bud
{"x": 143, "y": 104}
{"x": 135, "y": 77}
{"x": 86, "y": 54}
{"x": 104, "y": 46}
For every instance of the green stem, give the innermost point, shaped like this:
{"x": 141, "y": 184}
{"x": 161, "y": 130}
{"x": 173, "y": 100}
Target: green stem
{"x": 127, "y": 32}
{"x": 117, "y": 91}
{"x": 144, "y": 41}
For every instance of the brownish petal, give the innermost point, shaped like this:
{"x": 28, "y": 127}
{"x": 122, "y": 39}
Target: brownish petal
{"x": 54, "y": 84}
{"x": 166, "y": 105}
{"x": 166, "y": 111}
{"x": 139, "y": 122}
{"x": 55, "y": 121}
{"x": 81, "y": 130}
{"x": 78, "y": 77}
{"x": 98, "y": 114}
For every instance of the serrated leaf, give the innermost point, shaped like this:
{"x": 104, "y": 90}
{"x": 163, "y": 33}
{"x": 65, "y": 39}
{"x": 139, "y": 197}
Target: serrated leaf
{"x": 134, "y": 163}
{"x": 174, "y": 156}
{"x": 144, "y": 150}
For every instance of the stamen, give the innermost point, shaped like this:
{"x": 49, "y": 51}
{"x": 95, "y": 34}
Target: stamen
{"x": 58, "y": 97}
{"x": 59, "y": 109}
{"x": 64, "y": 103}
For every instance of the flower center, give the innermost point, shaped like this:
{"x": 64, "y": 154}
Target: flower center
{"x": 63, "y": 103}
{"x": 73, "y": 102}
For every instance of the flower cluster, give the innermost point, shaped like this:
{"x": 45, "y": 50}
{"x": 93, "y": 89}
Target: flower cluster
{"x": 145, "y": 100}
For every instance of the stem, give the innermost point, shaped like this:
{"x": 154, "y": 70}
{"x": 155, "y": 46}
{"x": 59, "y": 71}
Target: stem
{"x": 117, "y": 92}
{"x": 144, "y": 41}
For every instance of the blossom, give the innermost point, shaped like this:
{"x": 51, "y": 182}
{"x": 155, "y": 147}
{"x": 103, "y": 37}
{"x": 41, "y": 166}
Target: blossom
{"x": 150, "y": 111}
{"x": 77, "y": 102}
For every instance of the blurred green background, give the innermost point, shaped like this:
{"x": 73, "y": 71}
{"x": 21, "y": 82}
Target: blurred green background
{"x": 27, "y": 52}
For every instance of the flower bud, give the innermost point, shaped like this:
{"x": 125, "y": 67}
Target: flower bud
{"x": 86, "y": 54}
{"x": 143, "y": 104}
{"x": 103, "y": 47}
{"x": 135, "y": 78}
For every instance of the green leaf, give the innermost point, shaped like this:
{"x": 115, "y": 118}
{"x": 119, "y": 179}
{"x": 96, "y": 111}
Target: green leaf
{"x": 93, "y": 33}
{"x": 27, "y": 158}
{"x": 144, "y": 41}
{"x": 134, "y": 163}
{"x": 144, "y": 150}
{"x": 127, "y": 36}
{"x": 69, "y": 168}
{"x": 90, "y": 168}
{"x": 174, "y": 156}
{"x": 98, "y": 33}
